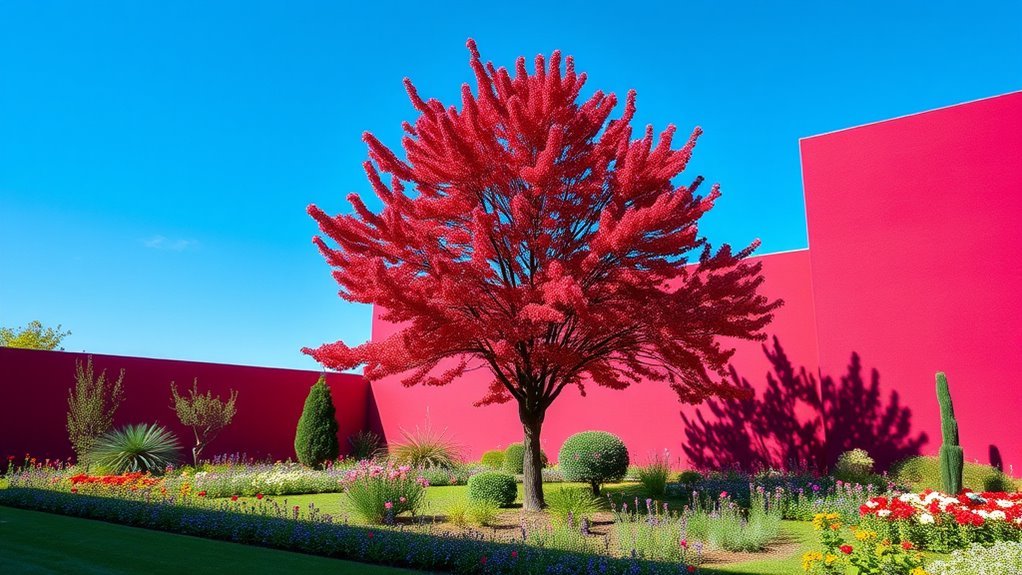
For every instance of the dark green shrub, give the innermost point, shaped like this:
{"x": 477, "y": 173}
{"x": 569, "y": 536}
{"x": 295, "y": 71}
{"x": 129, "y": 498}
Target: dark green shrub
{"x": 147, "y": 448}
{"x": 514, "y": 458}
{"x": 316, "y": 436}
{"x": 593, "y": 457}
{"x": 493, "y": 486}
{"x": 365, "y": 445}
{"x": 493, "y": 459}
{"x": 689, "y": 477}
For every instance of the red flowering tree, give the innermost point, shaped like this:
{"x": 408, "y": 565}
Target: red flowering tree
{"x": 528, "y": 234}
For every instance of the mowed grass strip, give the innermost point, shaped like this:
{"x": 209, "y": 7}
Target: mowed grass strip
{"x": 33, "y": 542}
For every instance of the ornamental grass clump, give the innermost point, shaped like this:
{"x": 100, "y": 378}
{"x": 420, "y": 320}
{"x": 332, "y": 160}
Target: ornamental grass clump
{"x": 655, "y": 475}
{"x": 366, "y": 445}
{"x": 571, "y": 505}
{"x": 731, "y": 528}
{"x": 593, "y": 457}
{"x": 427, "y": 448}
{"x": 145, "y": 448}
{"x": 379, "y": 493}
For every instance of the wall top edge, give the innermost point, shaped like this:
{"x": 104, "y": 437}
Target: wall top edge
{"x": 175, "y": 360}
{"x": 920, "y": 113}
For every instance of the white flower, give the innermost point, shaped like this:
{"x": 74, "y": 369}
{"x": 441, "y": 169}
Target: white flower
{"x": 872, "y": 504}
{"x": 883, "y": 513}
{"x": 1004, "y": 503}
{"x": 997, "y": 515}
{"x": 926, "y": 518}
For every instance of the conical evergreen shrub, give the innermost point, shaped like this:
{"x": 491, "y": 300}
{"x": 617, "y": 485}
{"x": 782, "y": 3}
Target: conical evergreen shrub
{"x": 316, "y": 436}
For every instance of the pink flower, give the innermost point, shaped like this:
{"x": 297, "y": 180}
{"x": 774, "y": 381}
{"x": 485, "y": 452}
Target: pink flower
{"x": 683, "y": 543}
{"x": 723, "y": 494}
{"x": 402, "y": 499}
{"x": 388, "y": 505}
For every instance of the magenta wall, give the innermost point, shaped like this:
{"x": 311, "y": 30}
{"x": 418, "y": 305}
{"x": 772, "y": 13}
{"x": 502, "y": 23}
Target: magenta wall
{"x": 914, "y": 266}
{"x": 648, "y": 417}
{"x": 915, "y": 235}
{"x": 34, "y": 387}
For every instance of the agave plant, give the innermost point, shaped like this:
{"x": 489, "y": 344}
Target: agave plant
{"x": 147, "y": 448}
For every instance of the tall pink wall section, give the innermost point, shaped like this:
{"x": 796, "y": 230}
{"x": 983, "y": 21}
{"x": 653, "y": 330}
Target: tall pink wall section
{"x": 648, "y": 416}
{"x": 34, "y": 388}
{"x": 915, "y": 235}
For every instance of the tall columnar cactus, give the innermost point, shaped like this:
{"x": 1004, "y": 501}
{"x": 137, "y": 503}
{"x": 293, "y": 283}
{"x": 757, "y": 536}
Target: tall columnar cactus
{"x": 952, "y": 459}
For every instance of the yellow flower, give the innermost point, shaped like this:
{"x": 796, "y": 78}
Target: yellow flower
{"x": 865, "y": 534}
{"x": 809, "y": 559}
{"x": 918, "y": 571}
{"x": 830, "y": 558}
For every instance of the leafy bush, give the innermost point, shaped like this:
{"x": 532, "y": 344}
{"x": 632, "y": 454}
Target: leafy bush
{"x": 569, "y": 505}
{"x": 1001, "y": 558}
{"x": 365, "y": 445}
{"x": 493, "y": 486}
{"x": 854, "y": 466}
{"x": 379, "y": 493}
{"x": 147, "y": 448}
{"x": 689, "y": 477}
{"x": 593, "y": 457}
{"x": 426, "y": 448}
{"x": 316, "y": 436}
{"x": 514, "y": 458}
{"x": 91, "y": 406}
{"x": 923, "y": 472}
{"x": 655, "y": 475}
{"x": 205, "y": 413}
{"x": 493, "y": 459}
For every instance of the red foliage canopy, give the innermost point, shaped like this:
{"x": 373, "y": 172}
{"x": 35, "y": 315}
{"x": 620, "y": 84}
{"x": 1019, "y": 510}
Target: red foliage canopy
{"x": 541, "y": 242}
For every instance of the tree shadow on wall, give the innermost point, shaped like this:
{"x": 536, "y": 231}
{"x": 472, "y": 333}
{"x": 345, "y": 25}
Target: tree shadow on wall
{"x": 782, "y": 424}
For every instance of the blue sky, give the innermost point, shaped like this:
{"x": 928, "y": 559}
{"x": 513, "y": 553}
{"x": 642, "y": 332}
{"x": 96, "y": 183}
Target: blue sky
{"x": 156, "y": 158}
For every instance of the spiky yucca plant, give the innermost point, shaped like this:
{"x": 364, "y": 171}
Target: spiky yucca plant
{"x": 146, "y": 447}
{"x": 426, "y": 448}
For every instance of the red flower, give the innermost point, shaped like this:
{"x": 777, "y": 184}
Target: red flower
{"x": 234, "y": 497}
{"x": 74, "y": 490}
{"x": 202, "y": 494}
{"x": 691, "y": 568}
{"x": 846, "y": 549}
{"x": 370, "y": 534}
{"x": 482, "y": 560}
{"x": 514, "y": 555}
{"x": 906, "y": 545}
{"x": 259, "y": 495}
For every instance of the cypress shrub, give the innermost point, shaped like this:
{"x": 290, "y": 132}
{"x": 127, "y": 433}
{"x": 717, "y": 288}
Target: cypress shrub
{"x": 316, "y": 436}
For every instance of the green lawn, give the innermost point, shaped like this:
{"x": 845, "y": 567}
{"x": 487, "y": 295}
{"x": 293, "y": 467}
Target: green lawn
{"x": 34, "y": 542}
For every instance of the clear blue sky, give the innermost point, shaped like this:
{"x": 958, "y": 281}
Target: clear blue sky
{"x": 156, "y": 158}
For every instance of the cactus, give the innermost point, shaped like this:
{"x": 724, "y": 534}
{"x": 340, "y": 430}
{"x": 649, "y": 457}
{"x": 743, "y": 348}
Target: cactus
{"x": 952, "y": 459}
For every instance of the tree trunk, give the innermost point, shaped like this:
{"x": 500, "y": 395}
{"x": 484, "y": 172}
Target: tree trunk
{"x": 532, "y": 476}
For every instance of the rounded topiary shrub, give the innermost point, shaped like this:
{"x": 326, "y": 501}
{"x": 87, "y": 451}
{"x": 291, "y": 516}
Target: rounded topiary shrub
{"x": 514, "y": 458}
{"x": 494, "y": 487}
{"x": 854, "y": 466}
{"x": 593, "y": 457}
{"x": 493, "y": 459}
{"x": 316, "y": 436}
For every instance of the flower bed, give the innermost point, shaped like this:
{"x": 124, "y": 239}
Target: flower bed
{"x": 271, "y": 525}
{"x": 941, "y": 522}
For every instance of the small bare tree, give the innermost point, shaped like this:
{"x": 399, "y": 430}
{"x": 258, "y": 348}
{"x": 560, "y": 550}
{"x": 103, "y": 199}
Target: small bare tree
{"x": 205, "y": 413}
{"x": 91, "y": 405}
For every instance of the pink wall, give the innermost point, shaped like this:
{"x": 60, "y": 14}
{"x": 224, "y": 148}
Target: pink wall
{"x": 915, "y": 235}
{"x": 648, "y": 417}
{"x": 914, "y": 267}
{"x": 34, "y": 387}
